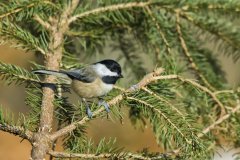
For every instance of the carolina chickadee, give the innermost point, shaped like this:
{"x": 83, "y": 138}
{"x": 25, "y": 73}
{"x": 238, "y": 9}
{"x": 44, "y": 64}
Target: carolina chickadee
{"x": 92, "y": 81}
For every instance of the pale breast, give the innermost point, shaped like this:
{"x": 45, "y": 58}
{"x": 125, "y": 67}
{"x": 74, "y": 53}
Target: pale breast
{"x": 91, "y": 90}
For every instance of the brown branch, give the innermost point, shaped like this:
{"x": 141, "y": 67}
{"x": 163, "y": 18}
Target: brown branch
{"x": 188, "y": 55}
{"x": 219, "y": 34}
{"x": 159, "y": 29}
{"x": 18, "y": 131}
{"x": 220, "y": 120}
{"x": 146, "y": 80}
{"x": 17, "y": 10}
{"x": 205, "y": 89}
{"x": 99, "y": 156}
{"x": 162, "y": 114}
{"x": 78, "y": 155}
{"x": 109, "y": 8}
{"x": 232, "y": 91}
{"x": 20, "y": 9}
{"x": 149, "y": 78}
{"x": 163, "y": 100}
{"x": 212, "y": 126}
{"x": 45, "y": 24}
{"x": 59, "y": 26}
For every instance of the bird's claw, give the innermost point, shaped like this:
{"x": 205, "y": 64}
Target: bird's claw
{"x": 105, "y": 104}
{"x": 89, "y": 112}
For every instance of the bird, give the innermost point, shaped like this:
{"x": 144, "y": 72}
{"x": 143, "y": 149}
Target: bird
{"x": 92, "y": 81}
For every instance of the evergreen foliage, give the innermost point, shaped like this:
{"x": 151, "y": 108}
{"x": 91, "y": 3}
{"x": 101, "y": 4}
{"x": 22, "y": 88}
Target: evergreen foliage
{"x": 183, "y": 104}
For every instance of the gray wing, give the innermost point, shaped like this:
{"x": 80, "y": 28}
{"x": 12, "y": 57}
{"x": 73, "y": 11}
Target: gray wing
{"x": 86, "y": 75}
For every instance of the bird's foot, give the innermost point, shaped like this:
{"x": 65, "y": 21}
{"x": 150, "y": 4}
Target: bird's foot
{"x": 89, "y": 112}
{"x": 105, "y": 104}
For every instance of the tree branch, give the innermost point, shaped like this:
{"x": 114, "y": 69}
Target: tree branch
{"x": 146, "y": 80}
{"x": 210, "y": 127}
{"x": 102, "y": 155}
{"x": 237, "y": 90}
{"x": 159, "y": 29}
{"x": 220, "y": 120}
{"x": 45, "y": 24}
{"x": 17, "y": 10}
{"x": 78, "y": 155}
{"x": 149, "y": 78}
{"x": 59, "y": 26}
{"x": 161, "y": 114}
{"x": 17, "y": 130}
{"x": 219, "y": 34}
{"x": 109, "y": 8}
{"x": 162, "y": 99}
{"x": 188, "y": 55}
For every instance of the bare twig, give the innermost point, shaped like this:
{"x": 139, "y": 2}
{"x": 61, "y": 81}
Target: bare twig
{"x": 188, "y": 55}
{"x": 18, "y": 131}
{"x": 109, "y": 8}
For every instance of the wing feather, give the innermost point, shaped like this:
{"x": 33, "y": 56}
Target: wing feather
{"x": 86, "y": 74}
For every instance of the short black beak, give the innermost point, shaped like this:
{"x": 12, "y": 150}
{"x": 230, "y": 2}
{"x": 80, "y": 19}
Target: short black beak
{"x": 120, "y": 76}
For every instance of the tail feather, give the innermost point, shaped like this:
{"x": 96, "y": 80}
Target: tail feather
{"x": 60, "y": 75}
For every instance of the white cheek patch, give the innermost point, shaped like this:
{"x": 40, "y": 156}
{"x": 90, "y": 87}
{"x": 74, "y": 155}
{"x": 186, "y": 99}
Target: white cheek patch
{"x": 102, "y": 70}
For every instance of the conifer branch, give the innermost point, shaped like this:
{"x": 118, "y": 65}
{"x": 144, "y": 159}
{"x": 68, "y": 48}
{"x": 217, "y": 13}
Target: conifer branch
{"x": 212, "y": 6}
{"x": 197, "y": 85}
{"x": 161, "y": 114}
{"x": 227, "y": 91}
{"x": 114, "y": 17}
{"x": 208, "y": 91}
{"x": 210, "y": 127}
{"x": 159, "y": 29}
{"x": 163, "y": 100}
{"x": 188, "y": 55}
{"x": 17, "y": 130}
{"x": 17, "y": 10}
{"x": 45, "y": 24}
{"x": 149, "y": 78}
{"x": 59, "y": 27}
{"x": 220, "y": 120}
{"x": 221, "y": 35}
{"x": 109, "y": 8}
{"x": 21, "y": 8}
{"x": 12, "y": 73}
{"x": 78, "y": 155}
{"x": 98, "y": 156}
{"x": 145, "y": 81}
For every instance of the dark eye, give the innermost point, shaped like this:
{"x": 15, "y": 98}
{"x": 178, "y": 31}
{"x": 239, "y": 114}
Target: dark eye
{"x": 114, "y": 70}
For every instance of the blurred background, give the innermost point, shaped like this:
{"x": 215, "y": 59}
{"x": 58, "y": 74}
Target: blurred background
{"x": 12, "y": 99}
